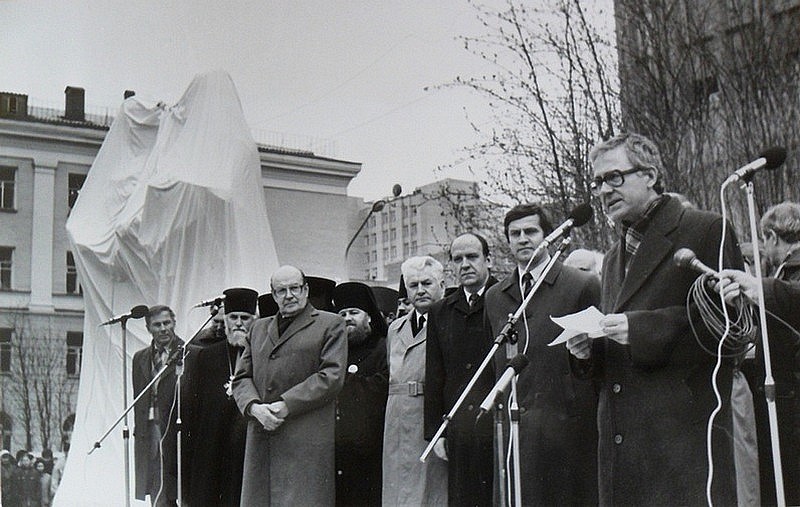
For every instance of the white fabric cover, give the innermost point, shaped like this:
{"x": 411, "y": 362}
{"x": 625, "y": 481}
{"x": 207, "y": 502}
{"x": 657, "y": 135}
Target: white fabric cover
{"x": 172, "y": 212}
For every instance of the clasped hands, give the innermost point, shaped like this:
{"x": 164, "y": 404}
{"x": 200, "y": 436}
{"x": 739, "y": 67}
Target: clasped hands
{"x": 613, "y": 325}
{"x": 270, "y": 415}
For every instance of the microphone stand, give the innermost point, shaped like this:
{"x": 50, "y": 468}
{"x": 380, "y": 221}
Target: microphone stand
{"x": 769, "y": 381}
{"x": 506, "y": 335}
{"x": 124, "y": 416}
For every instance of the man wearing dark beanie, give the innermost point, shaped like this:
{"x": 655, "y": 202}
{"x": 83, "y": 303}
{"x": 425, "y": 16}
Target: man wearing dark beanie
{"x": 217, "y": 429}
{"x": 361, "y": 405}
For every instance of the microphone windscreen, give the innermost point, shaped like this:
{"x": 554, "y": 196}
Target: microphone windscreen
{"x": 774, "y": 156}
{"x": 581, "y": 214}
{"x": 137, "y": 312}
{"x": 683, "y": 257}
{"x": 518, "y": 362}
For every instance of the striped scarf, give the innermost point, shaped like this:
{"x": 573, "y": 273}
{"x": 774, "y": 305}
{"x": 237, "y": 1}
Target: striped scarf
{"x": 633, "y": 234}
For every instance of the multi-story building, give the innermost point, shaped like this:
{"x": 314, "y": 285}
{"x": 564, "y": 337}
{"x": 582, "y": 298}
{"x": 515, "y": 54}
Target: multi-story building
{"x": 419, "y": 223}
{"x": 45, "y": 156}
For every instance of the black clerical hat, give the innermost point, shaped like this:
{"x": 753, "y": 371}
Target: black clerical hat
{"x": 240, "y": 299}
{"x": 267, "y": 307}
{"x": 320, "y": 292}
{"x": 359, "y": 295}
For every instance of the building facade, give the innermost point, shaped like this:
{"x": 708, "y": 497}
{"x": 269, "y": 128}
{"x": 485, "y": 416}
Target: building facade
{"x": 419, "y": 223}
{"x": 45, "y": 156}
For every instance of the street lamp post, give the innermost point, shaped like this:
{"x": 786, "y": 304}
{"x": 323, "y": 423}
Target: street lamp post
{"x": 377, "y": 206}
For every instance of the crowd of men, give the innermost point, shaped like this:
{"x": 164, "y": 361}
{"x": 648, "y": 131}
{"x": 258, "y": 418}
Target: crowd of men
{"x": 332, "y": 394}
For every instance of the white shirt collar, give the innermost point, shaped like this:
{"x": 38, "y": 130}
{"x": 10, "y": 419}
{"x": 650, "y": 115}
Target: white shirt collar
{"x": 535, "y": 271}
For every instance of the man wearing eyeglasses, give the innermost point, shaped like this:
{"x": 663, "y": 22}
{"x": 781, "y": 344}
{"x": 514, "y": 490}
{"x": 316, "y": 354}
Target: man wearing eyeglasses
{"x": 655, "y": 393}
{"x": 287, "y": 378}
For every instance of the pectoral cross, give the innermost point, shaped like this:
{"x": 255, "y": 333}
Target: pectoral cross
{"x": 229, "y": 387}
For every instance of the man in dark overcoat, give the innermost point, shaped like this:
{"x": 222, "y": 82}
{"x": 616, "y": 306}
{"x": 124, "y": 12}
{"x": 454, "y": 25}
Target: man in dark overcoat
{"x": 655, "y": 379}
{"x": 458, "y": 341}
{"x": 361, "y": 404}
{"x": 287, "y": 379}
{"x": 155, "y": 414}
{"x": 557, "y": 426}
{"x": 780, "y": 228}
{"x": 217, "y": 441}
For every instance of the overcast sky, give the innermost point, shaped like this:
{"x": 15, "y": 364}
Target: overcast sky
{"x": 349, "y": 74}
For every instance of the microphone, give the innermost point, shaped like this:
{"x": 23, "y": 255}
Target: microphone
{"x": 771, "y": 158}
{"x": 686, "y": 258}
{"x": 137, "y": 312}
{"x": 577, "y": 217}
{"x": 516, "y": 365}
{"x": 210, "y": 302}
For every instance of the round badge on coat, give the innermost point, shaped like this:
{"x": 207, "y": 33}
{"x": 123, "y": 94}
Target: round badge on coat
{"x": 353, "y": 368}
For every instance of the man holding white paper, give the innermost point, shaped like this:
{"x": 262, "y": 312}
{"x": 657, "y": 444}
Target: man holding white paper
{"x": 558, "y": 436}
{"x": 654, "y": 379}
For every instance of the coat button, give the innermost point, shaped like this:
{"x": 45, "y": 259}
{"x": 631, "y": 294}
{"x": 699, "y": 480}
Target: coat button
{"x": 269, "y": 389}
{"x": 470, "y": 407}
{"x": 616, "y": 388}
{"x": 469, "y": 366}
{"x": 617, "y": 438}
{"x": 272, "y": 356}
{"x": 338, "y": 472}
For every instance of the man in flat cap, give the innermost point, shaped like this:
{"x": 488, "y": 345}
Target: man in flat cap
{"x": 361, "y": 404}
{"x": 218, "y": 429}
{"x": 287, "y": 379}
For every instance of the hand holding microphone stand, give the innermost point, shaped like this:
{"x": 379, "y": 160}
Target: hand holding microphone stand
{"x": 771, "y": 158}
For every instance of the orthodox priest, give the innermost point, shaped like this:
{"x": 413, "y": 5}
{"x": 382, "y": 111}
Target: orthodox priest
{"x": 217, "y": 444}
{"x": 361, "y": 405}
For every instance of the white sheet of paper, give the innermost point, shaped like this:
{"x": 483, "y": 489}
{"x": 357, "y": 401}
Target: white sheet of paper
{"x": 585, "y": 321}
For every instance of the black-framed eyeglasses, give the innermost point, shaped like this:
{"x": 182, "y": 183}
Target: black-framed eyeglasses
{"x": 614, "y": 179}
{"x": 282, "y": 292}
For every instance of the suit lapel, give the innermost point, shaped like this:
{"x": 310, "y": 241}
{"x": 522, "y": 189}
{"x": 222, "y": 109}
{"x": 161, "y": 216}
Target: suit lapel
{"x": 655, "y": 246}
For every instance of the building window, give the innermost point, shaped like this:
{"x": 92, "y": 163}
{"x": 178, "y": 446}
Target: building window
{"x": 405, "y": 250}
{"x": 413, "y": 248}
{"x": 386, "y": 253}
{"x": 384, "y": 218}
{"x": 372, "y": 221}
{"x": 405, "y": 231}
{"x": 413, "y": 229}
{"x": 6, "y": 258}
{"x": 74, "y": 353}
{"x": 7, "y": 186}
{"x": 5, "y": 350}
{"x": 374, "y": 256}
{"x": 413, "y": 209}
{"x": 392, "y": 215}
{"x": 385, "y": 236}
{"x": 394, "y": 252}
{"x": 73, "y": 287}
{"x": 76, "y": 182}
{"x": 393, "y": 234}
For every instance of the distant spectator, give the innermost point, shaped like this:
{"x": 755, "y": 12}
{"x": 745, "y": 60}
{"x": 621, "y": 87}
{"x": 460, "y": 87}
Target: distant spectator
{"x": 25, "y": 482}
{"x": 44, "y": 481}
{"x": 47, "y": 458}
{"x": 6, "y": 471}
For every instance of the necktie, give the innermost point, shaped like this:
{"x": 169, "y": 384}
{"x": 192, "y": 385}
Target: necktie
{"x": 527, "y": 283}
{"x": 421, "y": 322}
{"x": 473, "y": 299}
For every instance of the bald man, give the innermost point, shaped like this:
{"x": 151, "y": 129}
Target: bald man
{"x": 287, "y": 378}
